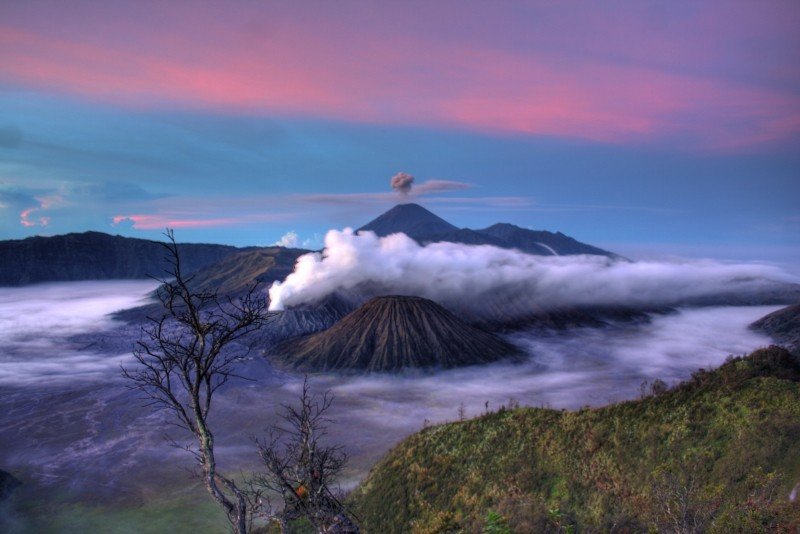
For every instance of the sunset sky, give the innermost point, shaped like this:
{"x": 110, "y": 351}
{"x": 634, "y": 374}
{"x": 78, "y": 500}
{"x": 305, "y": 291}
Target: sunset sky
{"x": 645, "y": 127}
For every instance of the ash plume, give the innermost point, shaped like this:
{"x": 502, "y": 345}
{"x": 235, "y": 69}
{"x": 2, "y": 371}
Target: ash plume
{"x": 402, "y": 183}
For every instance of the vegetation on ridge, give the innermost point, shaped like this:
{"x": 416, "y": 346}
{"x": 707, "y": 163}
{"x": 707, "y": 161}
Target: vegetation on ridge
{"x": 717, "y": 453}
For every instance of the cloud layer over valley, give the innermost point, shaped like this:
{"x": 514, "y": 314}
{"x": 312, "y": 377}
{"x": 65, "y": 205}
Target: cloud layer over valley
{"x": 36, "y": 322}
{"x": 109, "y": 430}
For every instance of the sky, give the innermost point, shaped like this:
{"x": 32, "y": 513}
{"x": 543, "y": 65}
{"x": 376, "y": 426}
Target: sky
{"x": 649, "y": 128}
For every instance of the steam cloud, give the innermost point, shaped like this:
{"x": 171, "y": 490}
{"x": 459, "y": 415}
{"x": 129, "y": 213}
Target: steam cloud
{"x": 402, "y": 182}
{"x": 477, "y": 278}
{"x": 288, "y": 240}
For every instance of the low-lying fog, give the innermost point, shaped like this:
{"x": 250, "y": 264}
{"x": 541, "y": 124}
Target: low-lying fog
{"x": 36, "y": 322}
{"x": 70, "y": 427}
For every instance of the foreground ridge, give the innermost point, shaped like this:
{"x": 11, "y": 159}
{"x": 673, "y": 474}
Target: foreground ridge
{"x": 723, "y": 443}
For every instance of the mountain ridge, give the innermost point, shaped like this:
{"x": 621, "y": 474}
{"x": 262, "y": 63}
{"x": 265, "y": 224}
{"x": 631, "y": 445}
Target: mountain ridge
{"x": 425, "y": 227}
{"x": 410, "y": 219}
{"x": 95, "y": 256}
{"x": 724, "y": 441}
{"x": 783, "y": 326}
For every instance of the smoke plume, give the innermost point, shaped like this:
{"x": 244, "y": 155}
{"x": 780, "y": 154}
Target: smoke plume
{"x": 402, "y": 182}
{"x": 477, "y": 278}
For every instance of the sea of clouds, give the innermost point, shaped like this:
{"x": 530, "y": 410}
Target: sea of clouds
{"x": 60, "y": 403}
{"x": 37, "y": 321}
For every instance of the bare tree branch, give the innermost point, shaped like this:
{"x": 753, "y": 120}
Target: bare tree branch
{"x": 301, "y": 469}
{"x": 185, "y": 356}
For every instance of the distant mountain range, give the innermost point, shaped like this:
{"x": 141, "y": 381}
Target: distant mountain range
{"x": 99, "y": 256}
{"x": 95, "y": 256}
{"x": 342, "y": 332}
{"x": 426, "y": 227}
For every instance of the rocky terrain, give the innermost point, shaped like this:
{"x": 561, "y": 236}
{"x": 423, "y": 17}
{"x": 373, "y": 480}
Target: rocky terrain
{"x": 540, "y": 242}
{"x": 410, "y": 219}
{"x": 391, "y": 333}
{"x": 300, "y": 321}
{"x": 237, "y": 272}
{"x": 92, "y": 458}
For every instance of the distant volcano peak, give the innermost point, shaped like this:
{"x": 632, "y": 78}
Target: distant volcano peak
{"x": 410, "y": 219}
{"x": 425, "y": 227}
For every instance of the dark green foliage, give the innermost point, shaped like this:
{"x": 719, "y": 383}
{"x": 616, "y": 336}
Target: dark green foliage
{"x": 717, "y": 451}
{"x": 495, "y": 524}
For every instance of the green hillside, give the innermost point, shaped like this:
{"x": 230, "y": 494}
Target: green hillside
{"x": 719, "y": 453}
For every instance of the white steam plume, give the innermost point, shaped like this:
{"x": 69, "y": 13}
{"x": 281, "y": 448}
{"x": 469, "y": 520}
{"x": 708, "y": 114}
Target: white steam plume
{"x": 288, "y": 240}
{"x": 479, "y": 276}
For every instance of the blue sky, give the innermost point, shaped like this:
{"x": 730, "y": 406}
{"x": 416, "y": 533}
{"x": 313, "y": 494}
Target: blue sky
{"x": 647, "y": 150}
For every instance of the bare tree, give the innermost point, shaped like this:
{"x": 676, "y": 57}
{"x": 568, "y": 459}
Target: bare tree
{"x": 682, "y": 507}
{"x": 300, "y": 468}
{"x": 185, "y": 356}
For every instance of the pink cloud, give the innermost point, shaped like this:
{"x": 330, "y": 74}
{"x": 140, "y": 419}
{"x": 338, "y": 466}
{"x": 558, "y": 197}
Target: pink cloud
{"x": 26, "y": 220}
{"x": 159, "y": 222}
{"x": 188, "y": 212}
{"x": 29, "y": 220}
{"x": 635, "y": 77}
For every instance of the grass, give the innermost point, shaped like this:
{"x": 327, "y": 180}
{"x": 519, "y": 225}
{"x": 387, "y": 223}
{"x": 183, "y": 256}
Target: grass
{"x": 719, "y": 452}
{"x": 174, "y": 512}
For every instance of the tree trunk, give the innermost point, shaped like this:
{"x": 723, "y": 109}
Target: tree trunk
{"x": 237, "y": 513}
